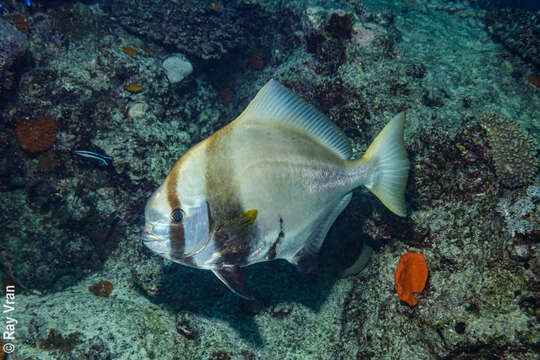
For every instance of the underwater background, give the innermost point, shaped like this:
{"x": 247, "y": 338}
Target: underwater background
{"x": 98, "y": 99}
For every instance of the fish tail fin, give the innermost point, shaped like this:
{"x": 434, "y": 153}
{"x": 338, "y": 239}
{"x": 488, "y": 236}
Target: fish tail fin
{"x": 388, "y": 158}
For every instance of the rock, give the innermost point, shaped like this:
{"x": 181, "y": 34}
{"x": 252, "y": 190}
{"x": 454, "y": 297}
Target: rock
{"x": 13, "y": 44}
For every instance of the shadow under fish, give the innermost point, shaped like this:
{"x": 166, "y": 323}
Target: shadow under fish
{"x": 268, "y": 186}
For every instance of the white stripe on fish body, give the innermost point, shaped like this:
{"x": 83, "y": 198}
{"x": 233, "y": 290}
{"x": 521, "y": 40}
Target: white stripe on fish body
{"x": 189, "y": 172}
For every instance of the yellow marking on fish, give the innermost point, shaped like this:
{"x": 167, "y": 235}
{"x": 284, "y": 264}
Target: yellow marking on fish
{"x": 251, "y": 215}
{"x": 242, "y": 221}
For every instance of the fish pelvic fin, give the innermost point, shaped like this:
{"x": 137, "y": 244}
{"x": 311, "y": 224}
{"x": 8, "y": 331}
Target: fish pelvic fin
{"x": 390, "y": 166}
{"x": 234, "y": 279}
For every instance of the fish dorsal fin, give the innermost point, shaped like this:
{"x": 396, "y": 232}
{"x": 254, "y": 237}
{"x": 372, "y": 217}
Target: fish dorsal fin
{"x": 276, "y": 104}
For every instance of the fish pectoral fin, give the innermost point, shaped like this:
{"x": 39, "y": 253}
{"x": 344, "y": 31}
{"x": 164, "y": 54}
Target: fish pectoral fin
{"x": 234, "y": 278}
{"x": 239, "y": 225}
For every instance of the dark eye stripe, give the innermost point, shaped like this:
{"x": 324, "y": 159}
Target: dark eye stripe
{"x": 176, "y": 235}
{"x": 176, "y": 229}
{"x": 177, "y": 215}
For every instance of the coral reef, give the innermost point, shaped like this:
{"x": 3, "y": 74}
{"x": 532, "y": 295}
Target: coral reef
{"x": 518, "y": 29}
{"x": 21, "y": 23}
{"x": 58, "y": 249}
{"x": 71, "y": 23}
{"x": 513, "y": 150}
{"x": 521, "y": 216}
{"x": 485, "y": 156}
{"x": 13, "y": 44}
{"x": 66, "y": 213}
{"x": 69, "y": 222}
{"x": 181, "y": 27}
{"x": 326, "y": 33}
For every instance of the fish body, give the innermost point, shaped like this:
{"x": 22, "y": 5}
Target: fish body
{"x": 268, "y": 186}
{"x": 130, "y": 51}
{"x": 134, "y": 88}
{"x": 105, "y": 159}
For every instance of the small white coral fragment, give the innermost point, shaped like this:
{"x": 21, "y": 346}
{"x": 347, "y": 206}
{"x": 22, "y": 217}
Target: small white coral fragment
{"x": 177, "y": 68}
{"x": 137, "y": 110}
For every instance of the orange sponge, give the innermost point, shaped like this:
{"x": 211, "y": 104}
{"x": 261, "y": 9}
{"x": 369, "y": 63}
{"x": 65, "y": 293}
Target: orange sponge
{"x": 411, "y": 276}
{"x": 36, "y": 135}
{"x": 102, "y": 288}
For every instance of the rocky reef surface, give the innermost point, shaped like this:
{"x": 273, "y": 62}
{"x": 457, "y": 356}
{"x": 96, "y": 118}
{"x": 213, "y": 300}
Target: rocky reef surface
{"x": 90, "y": 76}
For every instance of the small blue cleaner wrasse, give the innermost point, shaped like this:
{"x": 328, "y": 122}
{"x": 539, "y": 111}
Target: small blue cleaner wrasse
{"x": 268, "y": 186}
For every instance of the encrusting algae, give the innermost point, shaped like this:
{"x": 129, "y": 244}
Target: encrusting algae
{"x": 411, "y": 276}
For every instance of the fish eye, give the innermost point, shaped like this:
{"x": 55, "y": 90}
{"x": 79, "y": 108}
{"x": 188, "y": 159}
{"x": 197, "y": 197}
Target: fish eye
{"x": 177, "y": 215}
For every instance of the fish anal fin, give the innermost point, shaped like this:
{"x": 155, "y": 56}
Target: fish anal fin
{"x": 307, "y": 257}
{"x": 234, "y": 279}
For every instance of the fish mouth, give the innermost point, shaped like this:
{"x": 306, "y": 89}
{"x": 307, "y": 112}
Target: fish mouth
{"x": 157, "y": 230}
{"x": 156, "y": 237}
